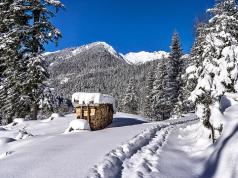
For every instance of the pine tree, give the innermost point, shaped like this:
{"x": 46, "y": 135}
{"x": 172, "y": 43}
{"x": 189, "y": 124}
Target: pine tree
{"x": 13, "y": 21}
{"x": 174, "y": 71}
{"x": 42, "y": 32}
{"x": 190, "y": 77}
{"x": 24, "y": 28}
{"x": 218, "y": 72}
{"x": 130, "y": 100}
{"x": 148, "y": 94}
{"x": 161, "y": 110}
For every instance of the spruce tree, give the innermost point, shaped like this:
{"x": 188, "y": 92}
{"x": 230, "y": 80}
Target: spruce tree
{"x": 174, "y": 71}
{"x": 130, "y": 100}
{"x": 218, "y": 72}
{"x": 43, "y": 31}
{"x": 24, "y": 28}
{"x": 148, "y": 94}
{"x": 190, "y": 77}
{"x": 160, "y": 107}
{"x": 13, "y": 20}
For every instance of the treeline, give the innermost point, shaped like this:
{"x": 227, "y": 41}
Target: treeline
{"x": 211, "y": 71}
{"x": 163, "y": 90}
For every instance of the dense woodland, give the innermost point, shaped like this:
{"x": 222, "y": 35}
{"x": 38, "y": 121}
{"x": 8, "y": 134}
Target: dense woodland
{"x": 31, "y": 81}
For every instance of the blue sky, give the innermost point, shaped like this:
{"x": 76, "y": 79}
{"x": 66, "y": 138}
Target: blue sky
{"x": 129, "y": 25}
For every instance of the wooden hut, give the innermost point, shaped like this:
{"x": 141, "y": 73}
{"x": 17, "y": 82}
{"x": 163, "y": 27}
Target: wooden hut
{"x": 97, "y": 108}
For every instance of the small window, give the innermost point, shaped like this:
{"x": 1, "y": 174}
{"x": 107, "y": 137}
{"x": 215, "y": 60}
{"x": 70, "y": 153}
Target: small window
{"x": 92, "y": 112}
{"x": 85, "y": 113}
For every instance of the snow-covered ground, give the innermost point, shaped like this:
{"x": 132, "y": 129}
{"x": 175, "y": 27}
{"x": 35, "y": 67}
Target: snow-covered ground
{"x": 129, "y": 147}
{"x": 51, "y": 153}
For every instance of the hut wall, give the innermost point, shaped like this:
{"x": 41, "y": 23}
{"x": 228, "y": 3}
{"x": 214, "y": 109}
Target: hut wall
{"x": 99, "y": 116}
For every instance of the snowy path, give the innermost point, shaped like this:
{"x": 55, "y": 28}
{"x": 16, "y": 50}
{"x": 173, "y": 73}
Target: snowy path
{"x": 140, "y": 156}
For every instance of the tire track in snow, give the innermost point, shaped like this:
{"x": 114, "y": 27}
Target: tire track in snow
{"x": 114, "y": 162}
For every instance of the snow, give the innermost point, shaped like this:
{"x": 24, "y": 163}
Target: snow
{"x": 229, "y": 99}
{"x": 51, "y": 153}
{"x": 5, "y": 140}
{"x": 18, "y": 120}
{"x": 138, "y": 155}
{"x": 64, "y": 80}
{"x": 129, "y": 147}
{"x": 107, "y": 47}
{"x": 54, "y": 2}
{"x": 23, "y": 134}
{"x": 222, "y": 162}
{"x": 143, "y": 56}
{"x": 92, "y": 98}
{"x": 191, "y": 69}
{"x": 52, "y": 117}
{"x": 77, "y": 125}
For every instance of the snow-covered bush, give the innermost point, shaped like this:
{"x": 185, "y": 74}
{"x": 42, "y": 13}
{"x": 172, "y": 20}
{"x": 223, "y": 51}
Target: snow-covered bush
{"x": 77, "y": 125}
{"x": 52, "y": 117}
{"x": 16, "y": 121}
{"x": 23, "y": 134}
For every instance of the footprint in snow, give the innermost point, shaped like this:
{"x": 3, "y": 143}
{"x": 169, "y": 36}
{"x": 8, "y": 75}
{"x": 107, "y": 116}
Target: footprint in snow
{"x": 4, "y": 155}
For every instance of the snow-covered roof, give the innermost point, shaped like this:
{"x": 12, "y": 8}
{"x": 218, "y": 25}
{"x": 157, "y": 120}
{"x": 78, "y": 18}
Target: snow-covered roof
{"x": 92, "y": 98}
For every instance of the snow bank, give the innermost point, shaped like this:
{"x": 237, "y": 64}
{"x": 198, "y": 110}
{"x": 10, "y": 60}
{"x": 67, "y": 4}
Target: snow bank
{"x": 18, "y": 120}
{"x": 15, "y": 122}
{"x": 223, "y": 160}
{"x": 229, "y": 99}
{"x": 52, "y": 117}
{"x": 2, "y": 129}
{"x": 77, "y": 125}
{"x": 5, "y": 140}
{"x": 92, "y": 98}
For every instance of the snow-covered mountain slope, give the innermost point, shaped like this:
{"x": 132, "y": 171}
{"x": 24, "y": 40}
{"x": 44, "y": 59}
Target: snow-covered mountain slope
{"x": 131, "y": 57}
{"x": 95, "y": 67}
{"x": 92, "y": 47}
{"x": 99, "y": 44}
{"x": 143, "y": 56}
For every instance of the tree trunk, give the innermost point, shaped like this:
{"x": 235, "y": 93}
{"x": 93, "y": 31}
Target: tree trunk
{"x": 34, "y": 111}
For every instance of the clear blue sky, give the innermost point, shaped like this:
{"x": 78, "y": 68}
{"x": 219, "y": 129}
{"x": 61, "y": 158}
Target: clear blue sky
{"x": 129, "y": 25}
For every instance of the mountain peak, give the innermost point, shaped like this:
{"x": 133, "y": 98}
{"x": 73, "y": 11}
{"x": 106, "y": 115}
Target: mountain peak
{"x": 101, "y": 44}
{"x": 143, "y": 56}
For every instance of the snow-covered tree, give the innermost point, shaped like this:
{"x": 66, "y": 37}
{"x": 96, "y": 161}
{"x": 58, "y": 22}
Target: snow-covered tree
{"x": 24, "y": 28}
{"x": 148, "y": 94}
{"x": 13, "y": 22}
{"x": 160, "y": 107}
{"x": 190, "y": 77}
{"x": 42, "y": 31}
{"x": 174, "y": 71}
{"x": 130, "y": 100}
{"x": 218, "y": 72}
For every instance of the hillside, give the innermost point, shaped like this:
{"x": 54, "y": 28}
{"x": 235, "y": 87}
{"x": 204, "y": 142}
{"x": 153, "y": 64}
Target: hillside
{"x": 96, "y": 67}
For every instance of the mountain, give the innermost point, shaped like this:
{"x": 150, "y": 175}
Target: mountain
{"x": 97, "y": 67}
{"x": 142, "y": 57}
